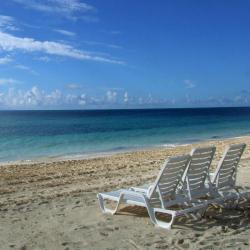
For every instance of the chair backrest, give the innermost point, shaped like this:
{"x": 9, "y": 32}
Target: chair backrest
{"x": 170, "y": 177}
{"x": 225, "y": 173}
{"x": 197, "y": 176}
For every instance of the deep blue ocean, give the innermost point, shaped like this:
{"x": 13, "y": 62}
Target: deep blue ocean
{"x": 34, "y": 134}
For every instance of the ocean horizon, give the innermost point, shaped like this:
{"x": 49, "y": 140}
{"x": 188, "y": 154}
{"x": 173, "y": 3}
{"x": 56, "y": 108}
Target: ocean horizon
{"x": 34, "y": 134}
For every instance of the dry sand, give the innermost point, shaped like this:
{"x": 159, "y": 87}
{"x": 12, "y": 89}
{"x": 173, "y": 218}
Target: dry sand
{"x": 53, "y": 205}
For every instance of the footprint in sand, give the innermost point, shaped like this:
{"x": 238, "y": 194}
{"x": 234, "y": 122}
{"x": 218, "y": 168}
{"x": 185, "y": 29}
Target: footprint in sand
{"x": 65, "y": 243}
{"x": 24, "y": 247}
{"x": 103, "y": 234}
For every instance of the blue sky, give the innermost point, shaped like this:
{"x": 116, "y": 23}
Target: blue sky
{"x": 57, "y": 54}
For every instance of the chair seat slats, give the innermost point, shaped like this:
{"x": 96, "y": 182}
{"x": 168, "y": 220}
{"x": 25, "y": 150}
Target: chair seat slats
{"x": 177, "y": 166}
{"x": 234, "y": 153}
{"x": 173, "y": 172}
{"x": 239, "y": 146}
{"x": 227, "y": 165}
{"x": 232, "y": 157}
{"x": 196, "y": 173}
{"x": 204, "y": 150}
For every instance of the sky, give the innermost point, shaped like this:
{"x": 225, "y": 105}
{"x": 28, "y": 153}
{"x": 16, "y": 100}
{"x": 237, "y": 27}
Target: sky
{"x": 94, "y": 54}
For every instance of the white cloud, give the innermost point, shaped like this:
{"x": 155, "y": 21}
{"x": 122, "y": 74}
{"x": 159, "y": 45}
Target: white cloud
{"x": 73, "y": 86}
{"x": 37, "y": 98}
{"x": 6, "y": 81}
{"x": 82, "y": 99}
{"x": 188, "y": 100}
{"x": 111, "y": 95}
{"x": 5, "y": 60}
{"x": 7, "y": 23}
{"x": 125, "y": 97}
{"x": 107, "y": 45}
{"x": 66, "y": 8}
{"x": 44, "y": 59}
{"x": 65, "y": 32}
{"x": 70, "y": 99}
{"x": 31, "y": 98}
{"x": 189, "y": 84}
{"x": 26, "y": 68}
{"x": 9, "y": 42}
{"x": 150, "y": 98}
{"x": 242, "y": 99}
{"x": 54, "y": 98}
{"x": 140, "y": 100}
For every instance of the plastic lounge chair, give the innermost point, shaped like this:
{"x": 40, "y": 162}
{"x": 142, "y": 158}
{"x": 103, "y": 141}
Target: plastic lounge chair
{"x": 221, "y": 189}
{"x": 160, "y": 197}
{"x": 197, "y": 178}
{"x": 224, "y": 177}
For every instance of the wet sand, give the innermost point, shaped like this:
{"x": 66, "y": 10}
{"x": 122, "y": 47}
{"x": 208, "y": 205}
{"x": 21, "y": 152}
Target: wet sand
{"x": 53, "y": 205}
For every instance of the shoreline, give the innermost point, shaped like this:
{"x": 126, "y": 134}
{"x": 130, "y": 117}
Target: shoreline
{"x": 94, "y": 155}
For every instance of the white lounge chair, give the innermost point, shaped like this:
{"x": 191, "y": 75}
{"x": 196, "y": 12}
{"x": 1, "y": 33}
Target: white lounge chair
{"x": 196, "y": 174}
{"x": 221, "y": 188}
{"x": 160, "y": 197}
{"x": 197, "y": 179}
{"x": 224, "y": 177}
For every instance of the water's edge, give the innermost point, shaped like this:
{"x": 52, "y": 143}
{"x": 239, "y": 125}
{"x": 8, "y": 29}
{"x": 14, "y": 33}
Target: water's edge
{"x": 86, "y": 156}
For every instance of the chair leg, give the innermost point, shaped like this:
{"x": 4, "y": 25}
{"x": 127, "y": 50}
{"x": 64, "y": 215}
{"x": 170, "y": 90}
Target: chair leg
{"x": 104, "y": 208}
{"x": 160, "y": 223}
{"x": 152, "y": 212}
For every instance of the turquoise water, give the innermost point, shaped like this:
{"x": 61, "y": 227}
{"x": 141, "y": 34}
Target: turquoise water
{"x": 33, "y": 134}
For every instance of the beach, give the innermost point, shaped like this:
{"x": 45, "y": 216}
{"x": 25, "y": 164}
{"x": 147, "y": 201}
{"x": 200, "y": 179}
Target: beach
{"x": 121, "y": 118}
{"x": 53, "y": 205}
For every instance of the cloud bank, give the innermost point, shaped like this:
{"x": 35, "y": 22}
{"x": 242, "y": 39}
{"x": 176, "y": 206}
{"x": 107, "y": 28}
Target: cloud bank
{"x": 36, "y": 98}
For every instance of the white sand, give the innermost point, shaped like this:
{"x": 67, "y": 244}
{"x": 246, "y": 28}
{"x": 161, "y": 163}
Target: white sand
{"x": 53, "y": 205}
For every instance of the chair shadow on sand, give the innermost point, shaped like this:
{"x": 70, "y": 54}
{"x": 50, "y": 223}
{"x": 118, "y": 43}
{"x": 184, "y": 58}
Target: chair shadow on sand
{"x": 235, "y": 219}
